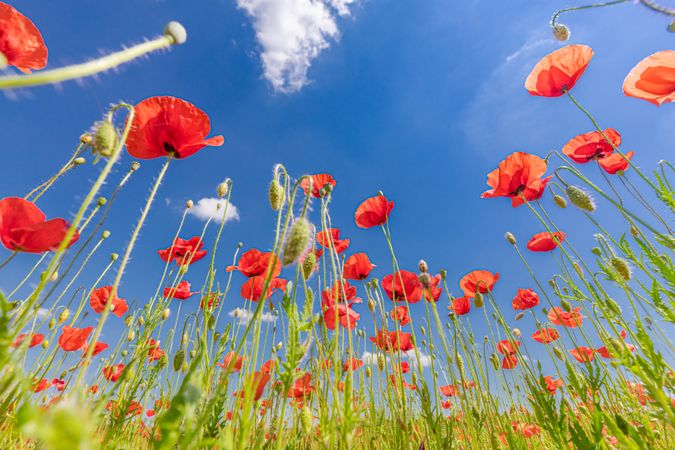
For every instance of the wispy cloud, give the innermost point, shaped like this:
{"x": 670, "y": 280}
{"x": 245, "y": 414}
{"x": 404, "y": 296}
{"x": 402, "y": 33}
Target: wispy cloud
{"x": 245, "y": 316}
{"x": 291, "y": 34}
{"x": 370, "y": 358}
{"x": 207, "y": 208}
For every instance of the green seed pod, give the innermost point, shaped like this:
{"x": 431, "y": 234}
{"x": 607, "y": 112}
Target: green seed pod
{"x": 559, "y": 353}
{"x": 510, "y": 238}
{"x": 105, "y": 139}
{"x": 64, "y": 315}
{"x": 178, "y": 359}
{"x": 52, "y": 323}
{"x": 580, "y": 198}
{"x": 565, "y": 305}
{"x": 560, "y": 201}
{"x": 277, "y": 195}
{"x": 297, "y": 241}
{"x": 622, "y": 267}
{"x": 308, "y": 265}
{"x": 478, "y": 300}
{"x": 443, "y": 273}
{"x": 371, "y": 305}
{"x": 596, "y": 251}
{"x": 561, "y": 32}
{"x": 306, "y": 419}
{"x": 45, "y": 343}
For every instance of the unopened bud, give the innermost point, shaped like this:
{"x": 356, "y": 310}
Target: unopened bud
{"x": 560, "y": 201}
{"x": 86, "y": 139}
{"x": 64, "y": 315}
{"x": 135, "y": 166}
{"x": 166, "y": 313}
{"x": 371, "y": 305}
{"x": 141, "y": 321}
{"x": 516, "y": 332}
{"x": 276, "y": 195}
{"x": 580, "y": 198}
{"x": 45, "y": 343}
{"x": 189, "y": 204}
{"x": 79, "y": 161}
{"x": 520, "y": 315}
{"x": 52, "y": 323}
{"x": 105, "y": 139}
{"x": 114, "y": 256}
{"x": 559, "y": 353}
{"x": 223, "y": 188}
{"x": 578, "y": 269}
{"x": 671, "y": 27}
{"x": 561, "y": 32}
{"x": 105, "y": 234}
{"x": 131, "y": 335}
{"x": 55, "y": 276}
{"x": 478, "y": 300}
{"x": 297, "y": 241}
{"x": 596, "y": 251}
{"x": 510, "y": 238}
{"x": 279, "y": 346}
{"x": 308, "y": 264}
{"x": 622, "y": 267}
{"x": 176, "y": 32}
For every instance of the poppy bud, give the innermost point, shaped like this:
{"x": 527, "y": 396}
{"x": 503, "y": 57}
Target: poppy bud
{"x": 105, "y": 234}
{"x": 580, "y": 198}
{"x": 141, "y": 321}
{"x": 520, "y": 315}
{"x": 559, "y": 353}
{"x": 223, "y": 188}
{"x": 443, "y": 273}
{"x": 561, "y": 32}
{"x": 671, "y": 27}
{"x": 423, "y": 266}
{"x": 131, "y": 335}
{"x": 371, "y": 305}
{"x": 369, "y": 372}
{"x": 79, "y": 161}
{"x": 279, "y": 346}
{"x": 193, "y": 353}
{"x": 297, "y": 241}
{"x": 613, "y": 306}
{"x": 431, "y": 347}
{"x": 124, "y": 353}
{"x": 596, "y": 251}
{"x": 494, "y": 359}
{"x": 306, "y": 419}
{"x": 560, "y": 201}
{"x": 510, "y": 238}
{"x": 425, "y": 279}
{"x": 622, "y": 267}
{"x": 578, "y": 269}
{"x": 478, "y": 300}
{"x": 211, "y": 322}
{"x": 55, "y": 276}
{"x": 178, "y": 359}
{"x": 52, "y": 323}
{"x": 381, "y": 362}
{"x": 114, "y": 256}
{"x": 176, "y": 32}
{"x": 423, "y": 330}
{"x": 516, "y": 332}
{"x": 64, "y": 315}
{"x": 308, "y": 264}
{"x": 105, "y": 139}
{"x": 135, "y": 166}
{"x": 189, "y": 204}
{"x": 86, "y": 139}
{"x": 45, "y": 343}
{"x": 166, "y": 313}
{"x": 565, "y": 305}
{"x": 276, "y": 195}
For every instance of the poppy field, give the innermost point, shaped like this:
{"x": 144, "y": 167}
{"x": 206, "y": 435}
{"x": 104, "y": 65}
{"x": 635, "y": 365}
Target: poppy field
{"x": 327, "y": 347}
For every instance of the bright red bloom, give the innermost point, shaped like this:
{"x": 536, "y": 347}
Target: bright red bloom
{"x": 233, "y": 362}
{"x": 210, "y": 300}
{"x": 35, "y": 339}
{"x": 602, "y": 351}
{"x": 399, "y": 382}
{"x": 653, "y": 78}
{"x": 24, "y": 228}
{"x": 339, "y": 310}
{"x": 433, "y": 291}
{"x": 41, "y": 385}
{"x": 526, "y": 429}
{"x": 99, "y": 299}
{"x": 59, "y": 384}
{"x": 357, "y": 267}
{"x": 525, "y": 299}
{"x": 506, "y": 347}
{"x": 169, "y": 126}
{"x": 113, "y": 373}
{"x": 518, "y": 177}
{"x": 446, "y": 404}
{"x": 509, "y": 362}
{"x": 325, "y": 237}
{"x": 253, "y": 288}
{"x": 559, "y": 316}
{"x": 99, "y": 347}
{"x": 73, "y": 339}
{"x": 341, "y": 292}
{"x": 546, "y": 335}
{"x": 301, "y": 387}
{"x": 20, "y": 41}
{"x": 558, "y": 71}
{"x": 449, "y": 391}
{"x": 615, "y": 162}
{"x": 404, "y": 367}
{"x": 319, "y": 181}
{"x": 154, "y": 352}
{"x": 401, "y": 286}
{"x": 552, "y": 384}
{"x": 638, "y": 390}
{"x": 545, "y": 241}
{"x": 254, "y": 263}
{"x": 373, "y": 212}
{"x": 393, "y": 341}
{"x": 478, "y": 281}
{"x": 352, "y": 364}
{"x": 583, "y": 354}
{"x": 184, "y": 251}
{"x": 180, "y": 292}
{"x": 400, "y": 313}
{"x": 461, "y": 305}
{"x": 592, "y": 146}
{"x": 269, "y": 366}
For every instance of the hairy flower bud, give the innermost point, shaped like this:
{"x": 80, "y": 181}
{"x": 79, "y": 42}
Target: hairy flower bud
{"x": 478, "y": 300}
{"x": 560, "y": 201}
{"x": 131, "y": 335}
{"x": 105, "y": 139}
{"x": 622, "y": 267}
{"x": 178, "y": 359}
{"x": 559, "y": 353}
{"x": 135, "y": 166}
{"x": 308, "y": 265}
{"x": 561, "y": 32}
{"x": 580, "y": 198}
{"x": 596, "y": 251}
{"x": 276, "y": 195}
{"x": 510, "y": 238}
{"x": 297, "y": 241}
{"x": 64, "y": 315}
{"x": 223, "y": 188}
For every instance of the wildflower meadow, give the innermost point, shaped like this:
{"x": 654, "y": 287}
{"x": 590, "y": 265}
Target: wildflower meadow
{"x": 318, "y": 334}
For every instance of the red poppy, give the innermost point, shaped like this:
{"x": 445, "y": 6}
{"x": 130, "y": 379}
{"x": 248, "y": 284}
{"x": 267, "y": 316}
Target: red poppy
{"x": 525, "y": 299}
{"x": 233, "y": 362}
{"x": 99, "y": 347}
{"x": 393, "y": 341}
{"x": 184, "y": 251}
{"x": 41, "y": 385}
{"x": 583, "y": 354}
{"x": 268, "y": 366}
{"x": 319, "y": 182}
{"x": 447, "y": 404}
{"x": 400, "y": 314}
{"x": 73, "y": 339}
{"x": 373, "y": 212}
{"x": 461, "y": 305}
{"x": 615, "y": 162}
{"x": 571, "y": 319}
{"x": 404, "y": 367}
{"x": 653, "y": 78}
{"x": 403, "y": 286}
{"x": 180, "y": 292}
{"x": 526, "y": 429}
{"x": 546, "y": 335}
{"x": 211, "y": 300}
{"x": 638, "y": 390}
{"x": 478, "y": 281}
{"x": 339, "y": 311}
{"x": 399, "y": 382}
{"x": 357, "y": 267}
{"x": 24, "y": 228}
{"x": 254, "y": 262}
{"x": 352, "y": 364}
{"x": 253, "y": 288}
{"x": 341, "y": 292}
{"x": 545, "y": 241}
{"x": 509, "y": 362}
{"x": 552, "y": 384}
{"x": 154, "y": 352}
{"x": 94, "y": 388}
{"x": 60, "y": 385}
{"x": 99, "y": 298}
{"x": 558, "y": 71}
{"x": 150, "y": 413}
{"x": 20, "y": 41}
{"x": 169, "y": 126}
{"x": 301, "y": 387}
{"x": 518, "y": 177}
{"x": 113, "y": 373}
{"x": 602, "y": 351}
{"x": 449, "y": 391}
{"x": 592, "y": 146}
{"x": 35, "y": 339}
{"x": 325, "y": 237}
{"x": 432, "y": 291}
{"x": 506, "y": 347}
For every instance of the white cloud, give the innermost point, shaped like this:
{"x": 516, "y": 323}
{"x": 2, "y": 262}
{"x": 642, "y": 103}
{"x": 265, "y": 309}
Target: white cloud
{"x": 370, "y": 358}
{"x": 207, "y": 208}
{"x": 291, "y": 34}
{"x": 42, "y": 313}
{"x": 245, "y": 316}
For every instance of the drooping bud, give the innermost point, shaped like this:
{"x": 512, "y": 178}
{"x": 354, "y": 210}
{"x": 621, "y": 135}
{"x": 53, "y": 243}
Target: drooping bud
{"x": 178, "y": 359}
{"x": 64, "y": 315}
{"x": 516, "y": 332}
{"x": 510, "y": 238}
{"x": 371, "y": 305}
{"x": 308, "y": 264}
{"x": 176, "y": 32}
{"x": 580, "y": 198}
{"x": 276, "y": 195}
{"x": 560, "y": 201}
{"x": 105, "y": 139}
{"x": 559, "y": 353}
{"x": 578, "y": 269}
{"x": 79, "y": 161}
{"x": 478, "y": 300}
{"x": 297, "y": 241}
{"x": 166, "y": 313}
{"x": 189, "y": 204}
{"x": 622, "y": 267}
{"x": 561, "y": 32}
{"x": 596, "y": 251}
{"x": 223, "y": 188}
{"x": 105, "y": 234}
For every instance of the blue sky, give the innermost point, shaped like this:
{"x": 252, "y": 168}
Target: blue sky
{"x": 417, "y": 99}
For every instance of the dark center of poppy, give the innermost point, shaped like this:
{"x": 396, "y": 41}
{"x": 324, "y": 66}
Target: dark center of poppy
{"x": 170, "y": 149}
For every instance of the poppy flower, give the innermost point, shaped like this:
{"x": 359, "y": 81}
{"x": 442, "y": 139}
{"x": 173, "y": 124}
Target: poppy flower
{"x": 526, "y": 429}
{"x": 35, "y": 339}
{"x": 404, "y": 367}
{"x": 301, "y": 387}
{"x": 402, "y": 286}
{"x": 392, "y": 341}
{"x": 583, "y": 354}
{"x": 546, "y": 241}
{"x": 99, "y": 298}
{"x": 254, "y": 263}
{"x": 558, "y": 71}
{"x": 154, "y": 352}
{"x": 399, "y": 382}
{"x": 509, "y": 362}
{"x": 352, "y": 364}
{"x": 638, "y": 390}
{"x": 325, "y": 237}
{"x": 210, "y": 300}
{"x": 449, "y": 391}
{"x": 21, "y": 42}
{"x": 60, "y": 385}
{"x": 268, "y": 366}
{"x": 518, "y": 177}
{"x": 341, "y": 292}
{"x": 73, "y": 339}
{"x": 184, "y": 251}
{"x": 319, "y": 182}
{"x": 602, "y": 351}
{"x": 150, "y": 413}
{"x": 592, "y": 146}
{"x": 432, "y": 291}
{"x": 233, "y": 362}
{"x": 478, "y": 281}
{"x": 653, "y": 78}
{"x": 552, "y": 384}
{"x": 400, "y": 314}
{"x": 24, "y": 228}
{"x": 41, "y": 385}
{"x": 615, "y": 162}
{"x": 180, "y": 292}
{"x": 447, "y": 404}
{"x": 339, "y": 312}
{"x": 461, "y": 305}
{"x": 507, "y": 347}
{"x": 373, "y": 212}
{"x": 546, "y": 335}
{"x": 169, "y": 126}
{"x": 357, "y": 267}
{"x": 253, "y": 288}
{"x": 99, "y": 347}
{"x": 113, "y": 373}
{"x": 525, "y": 299}
{"x": 571, "y": 319}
